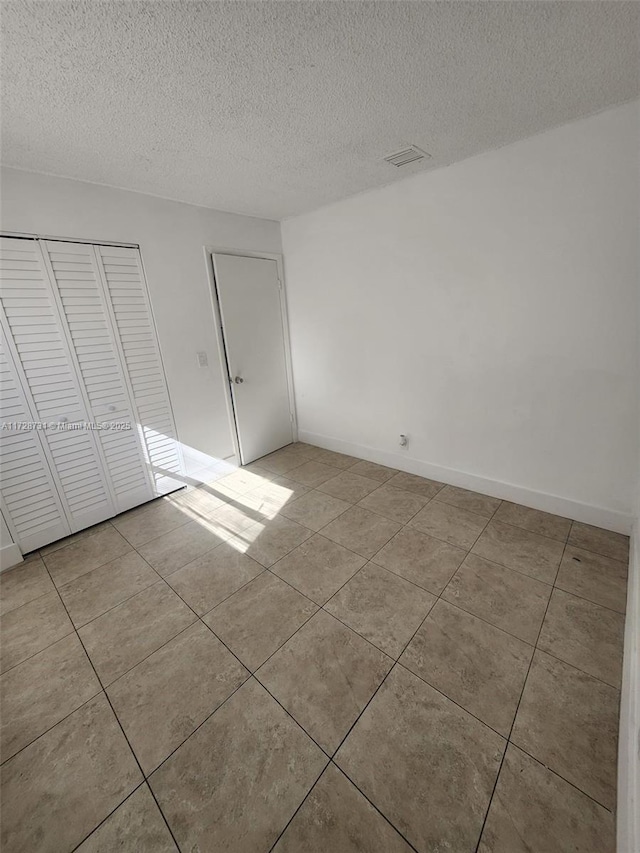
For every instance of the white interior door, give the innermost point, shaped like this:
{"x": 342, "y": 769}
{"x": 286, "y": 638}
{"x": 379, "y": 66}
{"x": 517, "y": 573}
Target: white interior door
{"x": 249, "y": 295}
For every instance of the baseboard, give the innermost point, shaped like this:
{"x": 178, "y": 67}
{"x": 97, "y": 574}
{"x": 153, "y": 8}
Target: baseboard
{"x": 599, "y": 516}
{"x": 628, "y": 818}
{"x": 10, "y": 556}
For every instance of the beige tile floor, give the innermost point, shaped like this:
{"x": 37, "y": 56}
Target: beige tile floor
{"x": 315, "y": 653}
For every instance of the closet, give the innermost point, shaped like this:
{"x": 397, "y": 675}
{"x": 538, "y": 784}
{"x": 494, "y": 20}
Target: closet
{"x": 86, "y": 429}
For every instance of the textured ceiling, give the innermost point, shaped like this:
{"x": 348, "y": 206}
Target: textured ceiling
{"x": 275, "y": 108}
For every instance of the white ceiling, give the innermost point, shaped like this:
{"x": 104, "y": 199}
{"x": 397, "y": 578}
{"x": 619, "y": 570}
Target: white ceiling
{"x": 275, "y": 108}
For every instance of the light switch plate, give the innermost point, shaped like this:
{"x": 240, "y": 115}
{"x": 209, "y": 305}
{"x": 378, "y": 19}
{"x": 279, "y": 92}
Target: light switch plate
{"x": 203, "y": 360}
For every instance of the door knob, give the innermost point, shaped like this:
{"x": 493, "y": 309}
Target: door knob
{"x": 238, "y": 380}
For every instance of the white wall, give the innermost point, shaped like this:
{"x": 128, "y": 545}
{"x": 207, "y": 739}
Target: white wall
{"x": 487, "y": 310}
{"x": 171, "y": 237}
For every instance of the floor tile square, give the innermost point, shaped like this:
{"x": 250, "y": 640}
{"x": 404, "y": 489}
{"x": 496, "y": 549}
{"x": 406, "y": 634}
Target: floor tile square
{"x": 505, "y": 598}
{"x": 136, "y": 825}
{"x": 314, "y": 510}
{"x": 600, "y": 579}
{"x": 122, "y": 637}
{"x": 259, "y": 618}
{"x": 412, "y": 483}
{"x": 41, "y": 691}
{"x": 304, "y": 447}
{"x": 94, "y": 548}
{"x": 450, "y": 524}
{"x": 243, "y": 480}
{"x": 282, "y": 461}
{"x": 568, "y": 720}
{"x": 324, "y": 676}
{"x": 299, "y": 449}
{"x": 73, "y": 538}
{"x": 318, "y": 568}
{"x": 361, "y": 531}
{"x": 515, "y": 548}
{"x": 418, "y": 757}
{"x": 395, "y": 504}
{"x": 239, "y": 778}
{"x": 382, "y": 607}
{"x": 373, "y": 471}
{"x": 480, "y": 667}
{"x": 237, "y": 515}
{"x": 421, "y": 559}
{"x": 534, "y": 520}
{"x": 216, "y": 575}
{"x": 269, "y": 542}
{"x": 336, "y": 460}
{"x": 586, "y": 635}
{"x": 196, "y": 501}
{"x": 312, "y": 474}
{"x": 471, "y": 501}
{"x": 51, "y": 811}
{"x": 535, "y": 811}
{"x": 163, "y": 699}
{"x": 336, "y": 817}
{"x": 600, "y": 541}
{"x": 278, "y": 492}
{"x": 175, "y": 549}
{"x": 348, "y": 486}
{"x": 23, "y": 584}
{"x": 31, "y": 628}
{"x": 99, "y": 590}
{"x": 150, "y": 520}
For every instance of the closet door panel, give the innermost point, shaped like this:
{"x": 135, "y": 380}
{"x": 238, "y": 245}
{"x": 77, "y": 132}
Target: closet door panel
{"x": 44, "y": 371}
{"x": 30, "y": 502}
{"x": 131, "y": 313}
{"x": 76, "y": 272}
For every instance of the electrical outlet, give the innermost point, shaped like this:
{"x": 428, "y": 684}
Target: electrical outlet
{"x": 404, "y": 441}
{"x": 203, "y": 360}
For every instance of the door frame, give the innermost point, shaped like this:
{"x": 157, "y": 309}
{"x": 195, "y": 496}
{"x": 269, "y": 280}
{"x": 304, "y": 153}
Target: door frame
{"x": 209, "y": 252}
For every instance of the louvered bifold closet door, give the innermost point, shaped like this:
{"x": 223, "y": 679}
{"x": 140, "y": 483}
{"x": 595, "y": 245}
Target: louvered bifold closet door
{"x": 30, "y": 502}
{"x": 131, "y": 312}
{"x": 44, "y": 370}
{"x": 85, "y": 312}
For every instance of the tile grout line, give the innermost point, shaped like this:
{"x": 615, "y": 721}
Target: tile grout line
{"x": 161, "y": 577}
{"x": 351, "y": 727}
{"x": 515, "y": 716}
{"x": 266, "y": 569}
{"x": 397, "y": 663}
{"x": 201, "y": 618}
{"x": 403, "y": 525}
{"x": 117, "y": 719}
{"x": 304, "y": 799}
{"x": 61, "y": 720}
{"x": 252, "y": 674}
{"x": 370, "y": 700}
{"x": 371, "y": 803}
{"x": 562, "y": 778}
{"x": 142, "y": 784}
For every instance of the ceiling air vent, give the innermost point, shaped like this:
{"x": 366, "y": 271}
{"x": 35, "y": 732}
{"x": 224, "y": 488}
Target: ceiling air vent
{"x": 406, "y": 156}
